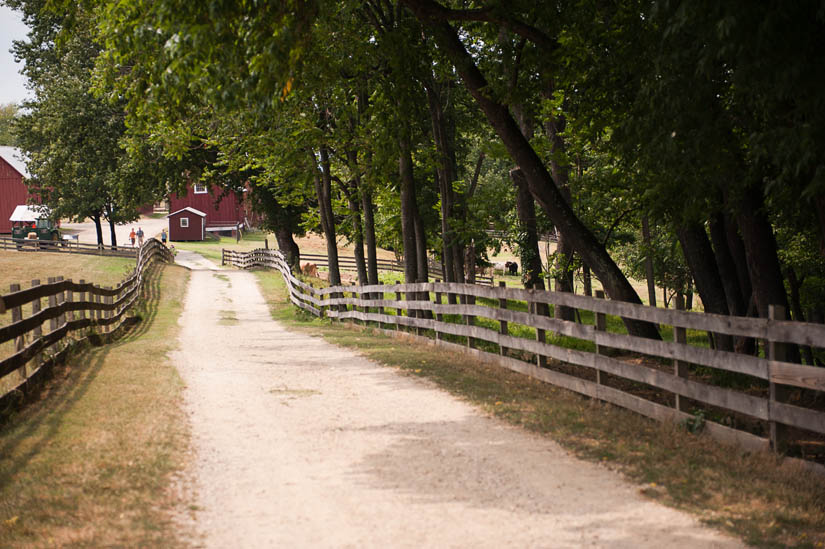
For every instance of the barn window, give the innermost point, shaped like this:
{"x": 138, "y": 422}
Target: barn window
{"x": 184, "y": 221}
{"x": 200, "y": 189}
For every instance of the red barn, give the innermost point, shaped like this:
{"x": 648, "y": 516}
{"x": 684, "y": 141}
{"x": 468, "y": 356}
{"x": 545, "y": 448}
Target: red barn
{"x": 224, "y": 212}
{"x": 13, "y": 191}
{"x": 187, "y": 224}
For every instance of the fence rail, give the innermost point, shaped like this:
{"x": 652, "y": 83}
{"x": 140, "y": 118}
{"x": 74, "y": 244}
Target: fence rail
{"x": 65, "y": 247}
{"x": 780, "y": 407}
{"x": 71, "y": 307}
{"x": 349, "y": 263}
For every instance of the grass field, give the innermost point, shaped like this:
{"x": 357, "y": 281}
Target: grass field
{"x": 751, "y": 495}
{"x": 91, "y": 464}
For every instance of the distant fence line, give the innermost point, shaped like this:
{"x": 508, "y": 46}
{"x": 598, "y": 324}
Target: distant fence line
{"x": 65, "y": 247}
{"x": 71, "y": 307}
{"x": 660, "y": 386}
{"x": 349, "y": 263}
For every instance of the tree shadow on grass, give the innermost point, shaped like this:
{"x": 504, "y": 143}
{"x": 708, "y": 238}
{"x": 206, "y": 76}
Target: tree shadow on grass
{"x": 62, "y": 393}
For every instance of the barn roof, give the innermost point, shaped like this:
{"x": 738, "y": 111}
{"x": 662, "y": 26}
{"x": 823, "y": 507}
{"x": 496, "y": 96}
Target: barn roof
{"x": 14, "y": 157}
{"x": 188, "y": 209}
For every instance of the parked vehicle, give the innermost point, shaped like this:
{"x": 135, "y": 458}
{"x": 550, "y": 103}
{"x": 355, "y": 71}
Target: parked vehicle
{"x": 33, "y": 223}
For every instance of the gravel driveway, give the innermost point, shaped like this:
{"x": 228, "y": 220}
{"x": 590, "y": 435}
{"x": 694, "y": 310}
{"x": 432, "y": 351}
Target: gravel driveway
{"x": 298, "y": 443}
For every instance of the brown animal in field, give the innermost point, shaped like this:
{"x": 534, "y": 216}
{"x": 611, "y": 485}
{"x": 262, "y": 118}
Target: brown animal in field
{"x": 309, "y": 269}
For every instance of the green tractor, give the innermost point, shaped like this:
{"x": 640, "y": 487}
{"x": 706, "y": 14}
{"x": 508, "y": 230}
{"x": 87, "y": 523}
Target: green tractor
{"x": 33, "y": 223}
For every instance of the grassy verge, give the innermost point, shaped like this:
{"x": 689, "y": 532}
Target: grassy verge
{"x": 91, "y": 463}
{"x": 750, "y": 495}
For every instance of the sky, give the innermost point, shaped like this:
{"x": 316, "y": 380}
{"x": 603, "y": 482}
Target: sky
{"x": 12, "y": 83}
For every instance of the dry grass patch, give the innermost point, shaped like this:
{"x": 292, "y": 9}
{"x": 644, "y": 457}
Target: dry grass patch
{"x": 753, "y": 496}
{"x": 91, "y": 463}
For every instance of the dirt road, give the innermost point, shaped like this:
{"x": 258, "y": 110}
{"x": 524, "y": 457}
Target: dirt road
{"x": 297, "y": 443}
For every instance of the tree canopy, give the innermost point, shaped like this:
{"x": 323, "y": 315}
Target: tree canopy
{"x": 420, "y": 125}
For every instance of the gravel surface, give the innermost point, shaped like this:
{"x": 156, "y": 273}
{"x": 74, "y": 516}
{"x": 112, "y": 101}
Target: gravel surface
{"x": 298, "y": 443}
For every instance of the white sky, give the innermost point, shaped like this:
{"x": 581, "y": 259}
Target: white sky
{"x": 12, "y": 83}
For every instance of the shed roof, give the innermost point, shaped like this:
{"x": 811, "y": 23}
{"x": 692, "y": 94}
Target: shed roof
{"x": 14, "y": 157}
{"x": 188, "y": 209}
{"x": 28, "y": 213}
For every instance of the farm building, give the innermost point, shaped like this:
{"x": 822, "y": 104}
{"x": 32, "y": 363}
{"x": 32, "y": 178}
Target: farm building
{"x": 224, "y": 211}
{"x": 13, "y": 191}
{"x": 187, "y": 224}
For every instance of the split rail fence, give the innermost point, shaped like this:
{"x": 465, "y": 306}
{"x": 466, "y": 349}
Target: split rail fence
{"x": 348, "y": 262}
{"x": 65, "y": 247}
{"x": 73, "y": 311}
{"x": 778, "y": 405}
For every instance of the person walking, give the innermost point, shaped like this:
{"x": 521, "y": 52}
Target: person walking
{"x": 132, "y": 237}
{"x": 140, "y": 237}
{"x": 163, "y": 236}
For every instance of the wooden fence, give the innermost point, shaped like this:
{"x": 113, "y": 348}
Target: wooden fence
{"x": 770, "y": 403}
{"x": 72, "y": 308}
{"x": 348, "y": 263}
{"x": 65, "y": 247}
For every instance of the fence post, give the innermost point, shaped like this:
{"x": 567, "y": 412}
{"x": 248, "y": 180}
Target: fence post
{"x": 397, "y": 309}
{"x": 61, "y": 299}
{"x": 109, "y": 312}
{"x": 37, "y": 331}
{"x": 223, "y": 257}
{"x": 541, "y": 335}
{"x": 355, "y": 308}
{"x": 503, "y": 330}
{"x": 680, "y": 368}
{"x": 17, "y": 316}
{"x": 601, "y": 326}
{"x": 777, "y": 351}
{"x": 469, "y": 320}
{"x": 81, "y": 296}
{"x": 70, "y": 299}
{"x": 439, "y": 317}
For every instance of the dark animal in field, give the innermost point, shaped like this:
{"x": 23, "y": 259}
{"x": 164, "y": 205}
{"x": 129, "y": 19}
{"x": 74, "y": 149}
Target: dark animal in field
{"x": 512, "y": 267}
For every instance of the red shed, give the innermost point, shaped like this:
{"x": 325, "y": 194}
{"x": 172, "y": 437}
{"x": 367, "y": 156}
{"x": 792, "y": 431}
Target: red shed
{"x": 187, "y": 224}
{"x": 13, "y": 191}
{"x": 225, "y": 211}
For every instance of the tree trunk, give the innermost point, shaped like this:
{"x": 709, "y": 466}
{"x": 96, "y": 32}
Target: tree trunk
{"x": 369, "y": 234}
{"x": 98, "y": 229}
{"x": 408, "y": 207}
{"x": 323, "y": 189}
{"x": 702, "y": 263}
{"x": 740, "y": 260}
{"x": 445, "y": 174}
{"x": 651, "y": 281}
{"x": 422, "y": 266}
{"x": 819, "y": 206}
{"x": 727, "y": 266}
{"x": 587, "y": 281}
{"x": 352, "y": 192}
{"x": 288, "y": 246}
{"x": 538, "y": 179}
{"x": 530, "y": 259}
{"x": 561, "y": 176}
{"x": 112, "y": 235}
{"x": 796, "y": 307}
{"x": 357, "y": 237}
{"x": 763, "y": 261}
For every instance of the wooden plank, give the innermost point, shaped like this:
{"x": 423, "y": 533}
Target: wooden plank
{"x": 708, "y": 394}
{"x": 808, "y": 377}
{"x": 732, "y": 362}
{"x": 796, "y": 416}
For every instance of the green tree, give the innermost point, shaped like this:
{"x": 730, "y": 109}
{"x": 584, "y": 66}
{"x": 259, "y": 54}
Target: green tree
{"x": 8, "y": 113}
